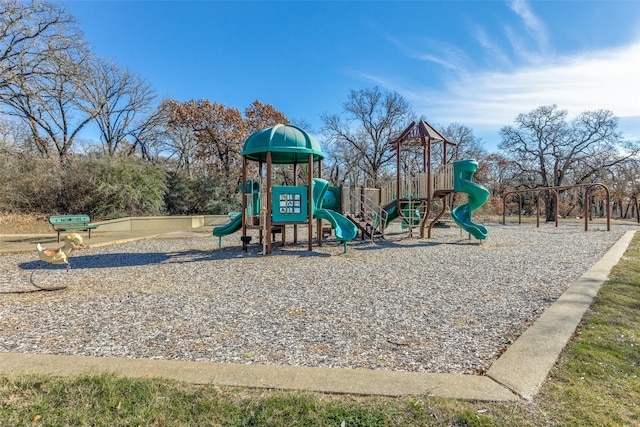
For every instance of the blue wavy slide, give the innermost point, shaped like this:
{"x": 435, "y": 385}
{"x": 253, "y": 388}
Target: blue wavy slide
{"x": 463, "y": 171}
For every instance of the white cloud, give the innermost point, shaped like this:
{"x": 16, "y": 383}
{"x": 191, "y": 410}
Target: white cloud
{"x": 598, "y": 80}
{"x": 491, "y": 49}
{"x": 534, "y": 26}
{"x": 437, "y": 52}
{"x": 488, "y": 99}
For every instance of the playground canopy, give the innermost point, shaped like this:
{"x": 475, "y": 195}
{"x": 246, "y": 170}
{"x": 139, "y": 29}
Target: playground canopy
{"x": 420, "y": 134}
{"x": 280, "y": 144}
{"x": 287, "y": 144}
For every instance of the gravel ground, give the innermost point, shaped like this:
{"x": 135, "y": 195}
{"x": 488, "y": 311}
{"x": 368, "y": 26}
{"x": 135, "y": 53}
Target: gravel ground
{"x": 447, "y": 304}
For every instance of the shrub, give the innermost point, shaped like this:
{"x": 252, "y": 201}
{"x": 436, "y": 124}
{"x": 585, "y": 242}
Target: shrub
{"x": 178, "y": 195}
{"x": 127, "y": 187}
{"x": 30, "y": 184}
{"x": 200, "y": 195}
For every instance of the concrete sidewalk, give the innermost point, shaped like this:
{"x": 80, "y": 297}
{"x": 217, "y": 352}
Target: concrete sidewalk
{"x": 17, "y": 243}
{"x": 518, "y": 373}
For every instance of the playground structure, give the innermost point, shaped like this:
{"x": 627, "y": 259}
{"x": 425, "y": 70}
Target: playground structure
{"x": 553, "y": 192}
{"x": 424, "y": 177}
{"x": 294, "y": 205}
{"x": 270, "y": 209}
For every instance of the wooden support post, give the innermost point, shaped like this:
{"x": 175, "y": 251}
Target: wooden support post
{"x": 398, "y": 176}
{"x": 310, "y": 201}
{"x": 426, "y": 146}
{"x": 283, "y": 232}
{"x": 244, "y": 203}
{"x": 295, "y": 182}
{"x": 269, "y": 204}
{"x": 319, "y": 221}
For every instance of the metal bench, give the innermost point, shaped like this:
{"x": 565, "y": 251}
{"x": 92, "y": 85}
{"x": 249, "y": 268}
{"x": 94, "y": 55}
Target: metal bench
{"x": 71, "y": 222}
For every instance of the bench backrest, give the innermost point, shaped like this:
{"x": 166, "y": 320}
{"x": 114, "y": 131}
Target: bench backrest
{"x": 69, "y": 219}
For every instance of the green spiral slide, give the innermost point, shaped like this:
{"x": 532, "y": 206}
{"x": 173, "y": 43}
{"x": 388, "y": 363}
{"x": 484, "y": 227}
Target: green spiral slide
{"x": 344, "y": 229}
{"x": 463, "y": 171}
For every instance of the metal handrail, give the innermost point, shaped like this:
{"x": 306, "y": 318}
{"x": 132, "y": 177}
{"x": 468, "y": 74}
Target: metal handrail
{"x": 369, "y": 208}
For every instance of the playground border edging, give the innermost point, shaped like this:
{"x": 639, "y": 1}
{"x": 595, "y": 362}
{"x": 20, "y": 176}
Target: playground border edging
{"x": 317, "y": 379}
{"x": 527, "y": 362}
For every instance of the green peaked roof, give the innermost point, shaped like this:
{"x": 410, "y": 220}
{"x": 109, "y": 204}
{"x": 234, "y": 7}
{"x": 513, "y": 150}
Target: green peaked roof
{"x": 288, "y": 144}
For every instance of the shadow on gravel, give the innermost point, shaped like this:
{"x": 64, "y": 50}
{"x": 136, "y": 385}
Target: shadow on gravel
{"x": 78, "y": 260}
{"x": 100, "y": 261}
{"x": 386, "y": 244}
{"x": 390, "y": 244}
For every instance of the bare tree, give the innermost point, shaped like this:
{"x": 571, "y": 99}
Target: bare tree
{"x": 55, "y": 106}
{"x": 14, "y": 137}
{"x": 343, "y": 165}
{"x": 123, "y": 102}
{"x": 179, "y": 139}
{"x": 371, "y": 118}
{"x": 468, "y": 146}
{"x": 548, "y": 150}
{"x": 45, "y": 84}
{"x": 495, "y": 172}
{"x": 31, "y": 32}
{"x": 148, "y": 136}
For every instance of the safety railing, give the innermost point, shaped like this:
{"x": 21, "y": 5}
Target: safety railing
{"x": 364, "y": 203}
{"x": 443, "y": 178}
{"x": 414, "y": 186}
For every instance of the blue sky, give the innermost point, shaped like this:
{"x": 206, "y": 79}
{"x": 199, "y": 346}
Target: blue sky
{"x": 479, "y": 63}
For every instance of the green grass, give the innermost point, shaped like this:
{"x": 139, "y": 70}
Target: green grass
{"x": 595, "y": 382}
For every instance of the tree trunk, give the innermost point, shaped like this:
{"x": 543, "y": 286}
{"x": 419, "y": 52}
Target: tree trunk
{"x": 550, "y": 207}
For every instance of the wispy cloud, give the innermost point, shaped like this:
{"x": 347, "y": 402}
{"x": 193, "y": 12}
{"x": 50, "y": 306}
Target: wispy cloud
{"x": 518, "y": 81}
{"x": 534, "y": 26}
{"x": 495, "y": 55}
{"x": 597, "y": 80}
{"x": 444, "y": 54}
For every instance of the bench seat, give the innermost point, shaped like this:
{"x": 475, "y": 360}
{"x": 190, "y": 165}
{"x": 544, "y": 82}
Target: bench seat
{"x": 62, "y": 223}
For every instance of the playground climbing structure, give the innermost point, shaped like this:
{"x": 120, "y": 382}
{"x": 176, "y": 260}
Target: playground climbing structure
{"x": 418, "y": 196}
{"x": 271, "y": 208}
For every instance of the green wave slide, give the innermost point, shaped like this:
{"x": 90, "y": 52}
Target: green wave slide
{"x": 231, "y": 227}
{"x": 344, "y": 229}
{"x": 463, "y": 171}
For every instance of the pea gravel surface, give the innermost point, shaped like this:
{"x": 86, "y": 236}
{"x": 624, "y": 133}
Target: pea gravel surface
{"x": 447, "y": 304}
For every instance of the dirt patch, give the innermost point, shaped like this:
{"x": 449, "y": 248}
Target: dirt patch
{"x": 11, "y": 223}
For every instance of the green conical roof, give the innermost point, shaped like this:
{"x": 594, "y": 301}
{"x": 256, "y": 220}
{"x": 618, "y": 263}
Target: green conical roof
{"x": 288, "y": 144}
